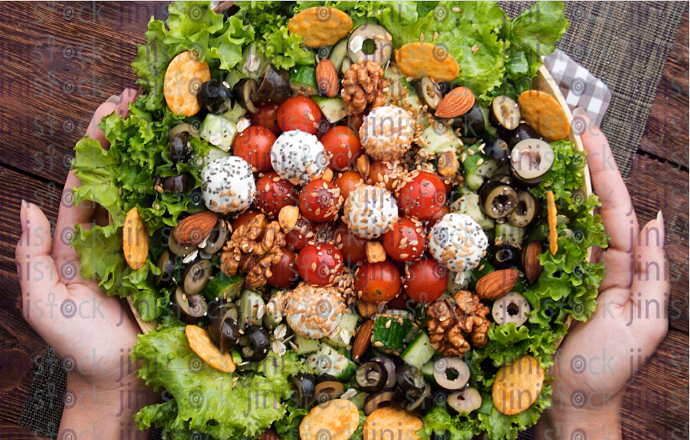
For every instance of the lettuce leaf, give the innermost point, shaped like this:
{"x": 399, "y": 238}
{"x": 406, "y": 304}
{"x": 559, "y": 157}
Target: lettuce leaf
{"x": 438, "y": 420}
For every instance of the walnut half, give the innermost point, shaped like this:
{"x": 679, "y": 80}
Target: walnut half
{"x": 363, "y": 85}
{"x": 452, "y": 325}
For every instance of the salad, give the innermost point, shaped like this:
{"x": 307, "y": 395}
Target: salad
{"x": 344, "y": 218}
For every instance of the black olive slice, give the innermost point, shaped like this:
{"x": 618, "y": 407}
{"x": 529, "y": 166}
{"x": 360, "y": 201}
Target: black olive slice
{"x": 504, "y": 112}
{"x": 189, "y": 308}
{"x": 244, "y": 91}
{"x": 465, "y": 401}
{"x": 371, "y": 376}
{"x": 388, "y": 362}
{"x": 255, "y": 343}
{"x": 178, "y": 249}
{"x": 530, "y": 160}
{"x": 423, "y": 403}
{"x": 304, "y": 387}
{"x": 185, "y": 127}
{"x": 527, "y": 210}
{"x": 166, "y": 264}
{"x": 274, "y": 87}
{"x": 410, "y": 380}
{"x": 497, "y": 149}
{"x": 428, "y": 92}
{"x": 503, "y": 256}
{"x": 328, "y": 390}
{"x": 176, "y": 184}
{"x": 522, "y": 132}
{"x": 504, "y": 178}
{"x": 497, "y": 199}
{"x": 215, "y": 96}
{"x": 470, "y": 125}
{"x": 216, "y": 238}
{"x": 224, "y": 332}
{"x": 180, "y": 148}
{"x": 196, "y": 276}
{"x": 379, "y": 400}
{"x": 451, "y": 373}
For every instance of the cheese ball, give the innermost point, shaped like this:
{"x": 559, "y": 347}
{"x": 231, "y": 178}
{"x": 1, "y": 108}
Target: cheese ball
{"x": 457, "y": 242}
{"x": 370, "y": 211}
{"x": 306, "y": 305}
{"x": 387, "y": 132}
{"x": 298, "y": 157}
{"x": 183, "y": 78}
{"x": 227, "y": 184}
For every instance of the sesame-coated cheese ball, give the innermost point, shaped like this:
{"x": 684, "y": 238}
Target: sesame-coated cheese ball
{"x": 387, "y": 132}
{"x": 313, "y": 312}
{"x": 370, "y": 211}
{"x": 457, "y": 242}
{"x": 227, "y": 184}
{"x": 298, "y": 157}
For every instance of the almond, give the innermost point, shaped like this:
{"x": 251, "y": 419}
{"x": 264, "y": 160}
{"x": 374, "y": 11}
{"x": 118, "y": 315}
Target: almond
{"x": 287, "y": 218}
{"x": 456, "y": 103}
{"x": 194, "y": 229}
{"x": 362, "y": 339}
{"x": 327, "y": 78}
{"x": 375, "y": 252}
{"x": 327, "y": 175}
{"x": 531, "y": 262}
{"x": 135, "y": 240}
{"x": 497, "y": 284}
{"x": 363, "y": 165}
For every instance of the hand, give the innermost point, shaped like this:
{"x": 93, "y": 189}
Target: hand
{"x": 598, "y": 359}
{"x": 90, "y": 332}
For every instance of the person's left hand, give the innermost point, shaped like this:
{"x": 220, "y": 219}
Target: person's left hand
{"x": 90, "y": 332}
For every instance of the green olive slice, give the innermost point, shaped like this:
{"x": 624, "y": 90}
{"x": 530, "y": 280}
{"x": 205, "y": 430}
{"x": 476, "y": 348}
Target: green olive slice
{"x": 196, "y": 276}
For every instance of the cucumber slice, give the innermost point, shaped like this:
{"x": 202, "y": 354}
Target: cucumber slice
{"x": 218, "y": 131}
{"x": 222, "y": 286}
{"x": 390, "y": 329}
{"x": 236, "y": 113}
{"x": 338, "y": 54}
{"x": 233, "y": 77}
{"x": 419, "y": 352}
{"x": 250, "y": 302}
{"x": 412, "y": 334}
{"x": 469, "y": 205}
{"x": 329, "y": 361}
{"x": 215, "y": 153}
{"x": 473, "y": 181}
{"x": 348, "y": 323}
{"x": 303, "y": 80}
{"x": 306, "y": 346}
{"x": 477, "y": 166}
{"x": 358, "y": 399}
{"x": 510, "y": 234}
{"x": 272, "y": 318}
{"x": 332, "y": 108}
{"x": 428, "y": 372}
{"x": 439, "y": 137}
{"x": 253, "y": 61}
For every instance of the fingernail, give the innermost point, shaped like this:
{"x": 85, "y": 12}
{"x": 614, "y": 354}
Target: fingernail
{"x": 115, "y": 99}
{"x": 661, "y": 226}
{"x": 22, "y": 214}
{"x": 579, "y": 112}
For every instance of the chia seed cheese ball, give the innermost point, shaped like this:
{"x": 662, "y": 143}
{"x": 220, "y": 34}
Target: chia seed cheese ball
{"x": 298, "y": 157}
{"x": 457, "y": 242}
{"x": 370, "y": 211}
{"x": 387, "y": 132}
{"x": 313, "y": 312}
{"x": 227, "y": 184}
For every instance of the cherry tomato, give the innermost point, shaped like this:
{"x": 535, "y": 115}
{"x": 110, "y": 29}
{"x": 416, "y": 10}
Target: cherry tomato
{"x": 299, "y": 113}
{"x": 319, "y": 200}
{"x": 319, "y": 263}
{"x": 406, "y": 242}
{"x": 426, "y": 280}
{"x": 353, "y": 121}
{"x": 351, "y": 246}
{"x": 378, "y": 282}
{"x": 267, "y": 117}
{"x": 423, "y": 197}
{"x": 254, "y": 146}
{"x": 284, "y": 274}
{"x": 300, "y": 234}
{"x": 430, "y": 222}
{"x": 323, "y": 128}
{"x": 347, "y": 181}
{"x": 343, "y": 144}
{"x": 272, "y": 193}
{"x": 378, "y": 169}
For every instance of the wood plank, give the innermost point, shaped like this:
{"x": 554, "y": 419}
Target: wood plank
{"x": 656, "y": 403}
{"x": 666, "y": 132}
{"x": 11, "y": 431}
{"x": 655, "y": 185}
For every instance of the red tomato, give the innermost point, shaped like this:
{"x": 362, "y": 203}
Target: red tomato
{"x": 267, "y": 117}
{"x": 284, "y": 274}
{"x": 246, "y": 217}
{"x": 299, "y": 113}
{"x": 406, "y": 242}
{"x": 343, "y": 144}
{"x": 378, "y": 169}
{"x": 430, "y": 222}
{"x": 347, "y": 181}
{"x": 300, "y": 234}
{"x": 272, "y": 193}
{"x": 319, "y": 201}
{"x": 423, "y": 197}
{"x": 319, "y": 263}
{"x": 254, "y": 146}
{"x": 378, "y": 282}
{"x": 351, "y": 246}
{"x": 426, "y": 280}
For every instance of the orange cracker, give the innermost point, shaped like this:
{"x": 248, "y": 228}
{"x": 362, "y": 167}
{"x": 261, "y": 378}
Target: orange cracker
{"x": 321, "y": 26}
{"x": 544, "y": 114}
{"x": 517, "y": 385}
{"x": 182, "y": 81}
{"x": 201, "y": 344}
{"x": 418, "y": 60}
{"x": 553, "y": 222}
{"x": 387, "y": 422}
{"x": 335, "y": 419}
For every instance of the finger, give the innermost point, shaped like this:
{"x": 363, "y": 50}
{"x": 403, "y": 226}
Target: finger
{"x": 127, "y": 96}
{"x": 651, "y": 287}
{"x": 93, "y": 130}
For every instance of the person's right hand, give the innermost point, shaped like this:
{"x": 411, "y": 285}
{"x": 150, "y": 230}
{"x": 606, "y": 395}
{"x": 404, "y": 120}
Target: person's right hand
{"x": 598, "y": 358}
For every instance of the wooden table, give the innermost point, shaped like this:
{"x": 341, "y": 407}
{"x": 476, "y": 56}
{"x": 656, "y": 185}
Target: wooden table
{"x": 59, "y": 64}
